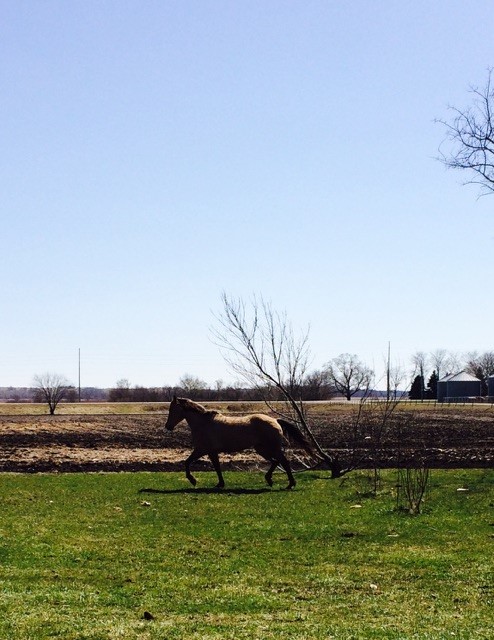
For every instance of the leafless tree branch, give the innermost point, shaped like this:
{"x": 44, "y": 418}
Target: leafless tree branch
{"x": 52, "y": 388}
{"x": 260, "y": 346}
{"x": 470, "y": 135}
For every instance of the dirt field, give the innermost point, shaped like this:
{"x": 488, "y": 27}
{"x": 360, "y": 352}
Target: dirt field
{"x": 447, "y": 437}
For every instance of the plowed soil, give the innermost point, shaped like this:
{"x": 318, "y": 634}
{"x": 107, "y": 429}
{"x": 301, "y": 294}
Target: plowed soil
{"x": 445, "y": 437}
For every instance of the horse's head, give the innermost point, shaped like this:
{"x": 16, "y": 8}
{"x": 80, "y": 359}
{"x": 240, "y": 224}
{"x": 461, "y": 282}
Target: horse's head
{"x": 175, "y": 414}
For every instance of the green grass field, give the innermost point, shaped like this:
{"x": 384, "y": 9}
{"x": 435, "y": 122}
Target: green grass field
{"x": 91, "y": 555}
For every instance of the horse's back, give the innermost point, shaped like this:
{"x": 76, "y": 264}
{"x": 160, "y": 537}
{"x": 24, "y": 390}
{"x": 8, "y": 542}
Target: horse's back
{"x": 233, "y": 433}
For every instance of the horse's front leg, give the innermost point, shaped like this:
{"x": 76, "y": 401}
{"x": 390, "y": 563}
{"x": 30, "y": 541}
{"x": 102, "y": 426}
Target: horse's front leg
{"x": 216, "y": 464}
{"x": 195, "y": 455}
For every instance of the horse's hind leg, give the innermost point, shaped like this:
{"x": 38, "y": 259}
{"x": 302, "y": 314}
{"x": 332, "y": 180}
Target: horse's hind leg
{"x": 280, "y": 460}
{"x": 269, "y": 475}
{"x": 274, "y": 463}
{"x": 216, "y": 464}
{"x": 286, "y": 466}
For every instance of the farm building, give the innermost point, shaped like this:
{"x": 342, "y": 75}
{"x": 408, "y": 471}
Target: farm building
{"x": 490, "y": 387}
{"x": 458, "y": 386}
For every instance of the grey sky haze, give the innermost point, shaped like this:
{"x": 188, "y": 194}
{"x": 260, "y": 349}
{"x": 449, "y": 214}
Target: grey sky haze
{"x": 156, "y": 154}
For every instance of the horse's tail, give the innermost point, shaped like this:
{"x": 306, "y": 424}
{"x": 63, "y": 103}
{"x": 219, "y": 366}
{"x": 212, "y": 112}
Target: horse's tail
{"x": 295, "y": 434}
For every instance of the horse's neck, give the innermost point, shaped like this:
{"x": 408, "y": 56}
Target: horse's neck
{"x": 193, "y": 419}
{"x": 196, "y": 415}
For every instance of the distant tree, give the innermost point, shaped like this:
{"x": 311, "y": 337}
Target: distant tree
{"x": 71, "y": 395}
{"x": 454, "y": 363}
{"x": 121, "y": 392}
{"x": 51, "y": 388}
{"x": 417, "y": 389}
{"x": 94, "y": 394}
{"x": 419, "y": 361}
{"x": 219, "y": 386}
{"x": 348, "y": 375}
{"x": 145, "y": 394}
{"x": 471, "y": 135}
{"x": 439, "y": 360}
{"x": 432, "y": 386}
{"x": 316, "y": 386}
{"x": 481, "y": 366}
{"x": 395, "y": 377}
{"x": 192, "y": 386}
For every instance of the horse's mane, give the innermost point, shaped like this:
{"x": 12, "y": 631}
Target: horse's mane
{"x": 195, "y": 406}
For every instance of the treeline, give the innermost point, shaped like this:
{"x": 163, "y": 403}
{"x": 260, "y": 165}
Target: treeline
{"x": 215, "y": 394}
{"x": 165, "y": 394}
{"x": 124, "y": 392}
{"x": 31, "y": 394}
{"x": 16, "y": 394}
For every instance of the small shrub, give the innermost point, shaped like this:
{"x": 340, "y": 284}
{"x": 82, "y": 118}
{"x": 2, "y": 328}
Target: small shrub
{"x": 413, "y": 483}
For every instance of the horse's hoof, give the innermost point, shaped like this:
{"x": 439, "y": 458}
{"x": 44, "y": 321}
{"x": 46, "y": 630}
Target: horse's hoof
{"x": 220, "y": 486}
{"x": 192, "y": 481}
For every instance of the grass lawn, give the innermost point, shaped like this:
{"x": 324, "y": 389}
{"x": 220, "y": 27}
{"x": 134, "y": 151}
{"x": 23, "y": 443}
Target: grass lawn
{"x": 91, "y": 555}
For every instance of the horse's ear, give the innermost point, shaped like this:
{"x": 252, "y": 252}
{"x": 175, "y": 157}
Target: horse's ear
{"x": 174, "y": 397}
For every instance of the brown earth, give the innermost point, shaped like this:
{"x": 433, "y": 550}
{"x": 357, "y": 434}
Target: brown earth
{"x": 445, "y": 437}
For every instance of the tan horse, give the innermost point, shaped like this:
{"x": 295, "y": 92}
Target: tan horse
{"x": 214, "y": 433}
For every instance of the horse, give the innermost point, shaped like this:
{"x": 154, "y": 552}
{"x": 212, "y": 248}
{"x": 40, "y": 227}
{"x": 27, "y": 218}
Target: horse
{"x": 214, "y": 433}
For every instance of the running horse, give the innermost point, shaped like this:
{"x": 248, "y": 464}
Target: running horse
{"x": 214, "y": 433}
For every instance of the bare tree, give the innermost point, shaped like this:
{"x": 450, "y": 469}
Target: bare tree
{"x": 349, "y": 375}
{"x": 395, "y": 377}
{"x": 192, "y": 385}
{"x": 420, "y": 361}
{"x": 121, "y": 392}
{"x": 454, "y": 362}
{"x": 471, "y": 134}
{"x": 51, "y": 388}
{"x": 317, "y": 386}
{"x": 439, "y": 359}
{"x": 481, "y": 366}
{"x": 260, "y": 346}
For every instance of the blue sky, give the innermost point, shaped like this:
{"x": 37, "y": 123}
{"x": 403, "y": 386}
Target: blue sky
{"x": 155, "y": 154}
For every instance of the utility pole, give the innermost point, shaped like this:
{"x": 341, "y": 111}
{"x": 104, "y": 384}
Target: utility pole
{"x": 79, "y": 374}
{"x": 388, "y": 373}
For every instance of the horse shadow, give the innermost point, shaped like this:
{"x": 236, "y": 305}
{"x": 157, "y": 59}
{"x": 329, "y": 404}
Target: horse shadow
{"x": 236, "y": 491}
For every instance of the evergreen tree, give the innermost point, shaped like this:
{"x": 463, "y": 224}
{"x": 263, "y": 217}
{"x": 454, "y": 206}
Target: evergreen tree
{"x": 432, "y": 386}
{"x": 417, "y": 389}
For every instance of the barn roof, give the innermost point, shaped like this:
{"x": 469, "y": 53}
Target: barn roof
{"x": 462, "y": 376}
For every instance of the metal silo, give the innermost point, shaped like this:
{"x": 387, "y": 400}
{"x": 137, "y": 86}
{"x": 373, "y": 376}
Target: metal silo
{"x": 490, "y": 388}
{"x": 458, "y": 387}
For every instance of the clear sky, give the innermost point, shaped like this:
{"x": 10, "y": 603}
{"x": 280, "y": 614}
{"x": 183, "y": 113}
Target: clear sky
{"x": 157, "y": 153}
